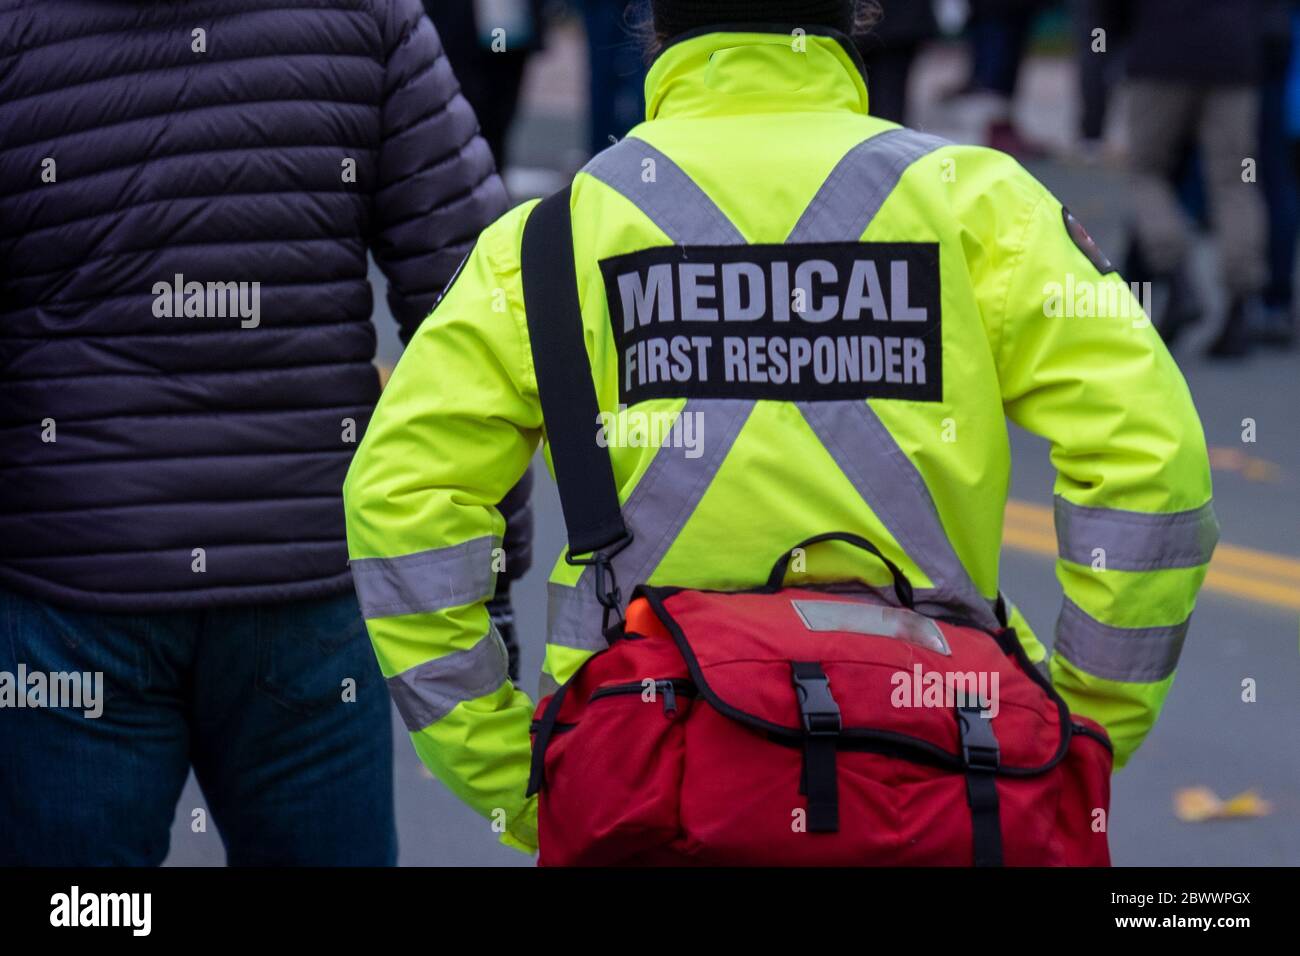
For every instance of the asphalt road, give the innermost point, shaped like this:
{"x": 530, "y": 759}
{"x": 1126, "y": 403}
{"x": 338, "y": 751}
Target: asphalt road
{"x": 1207, "y": 736}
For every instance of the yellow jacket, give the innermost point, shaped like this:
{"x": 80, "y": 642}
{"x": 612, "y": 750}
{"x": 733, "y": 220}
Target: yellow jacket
{"x": 758, "y": 138}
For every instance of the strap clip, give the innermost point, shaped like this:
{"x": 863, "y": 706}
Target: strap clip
{"x": 607, "y": 591}
{"x": 606, "y": 584}
{"x": 820, "y": 713}
{"x": 979, "y": 745}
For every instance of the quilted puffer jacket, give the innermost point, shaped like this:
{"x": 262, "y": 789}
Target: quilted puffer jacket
{"x": 188, "y": 191}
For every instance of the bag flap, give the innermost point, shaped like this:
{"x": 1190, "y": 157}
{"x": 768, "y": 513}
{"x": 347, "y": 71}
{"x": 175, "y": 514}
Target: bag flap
{"x": 896, "y": 675}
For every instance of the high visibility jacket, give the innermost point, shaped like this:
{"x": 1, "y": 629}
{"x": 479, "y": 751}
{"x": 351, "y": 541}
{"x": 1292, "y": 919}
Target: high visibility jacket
{"x": 755, "y": 138}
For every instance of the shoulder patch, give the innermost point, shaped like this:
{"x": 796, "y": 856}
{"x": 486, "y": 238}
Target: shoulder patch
{"x": 1087, "y": 245}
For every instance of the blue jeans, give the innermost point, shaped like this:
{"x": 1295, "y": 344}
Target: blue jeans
{"x": 252, "y": 697}
{"x": 998, "y": 44}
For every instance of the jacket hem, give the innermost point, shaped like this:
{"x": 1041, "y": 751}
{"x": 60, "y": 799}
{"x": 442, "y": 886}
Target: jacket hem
{"x": 235, "y": 595}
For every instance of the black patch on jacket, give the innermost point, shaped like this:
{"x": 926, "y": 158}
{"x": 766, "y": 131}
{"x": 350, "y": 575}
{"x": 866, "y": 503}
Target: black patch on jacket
{"x": 797, "y": 322}
{"x": 1087, "y": 245}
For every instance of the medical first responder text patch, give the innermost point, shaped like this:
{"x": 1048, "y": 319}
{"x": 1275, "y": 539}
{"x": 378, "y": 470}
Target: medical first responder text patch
{"x": 803, "y": 321}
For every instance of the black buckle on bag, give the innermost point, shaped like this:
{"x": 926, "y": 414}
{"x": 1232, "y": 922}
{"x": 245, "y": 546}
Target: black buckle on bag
{"x": 820, "y": 713}
{"x": 982, "y": 756}
{"x": 979, "y": 745}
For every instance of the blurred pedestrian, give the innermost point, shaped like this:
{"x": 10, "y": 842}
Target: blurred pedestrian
{"x": 489, "y": 43}
{"x": 1194, "y": 73}
{"x": 890, "y": 48}
{"x": 188, "y": 192}
{"x": 1278, "y": 176}
{"x": 999, "y": 33}
{"x": 616, "y": 68}
{"x": 1098, "y": 59}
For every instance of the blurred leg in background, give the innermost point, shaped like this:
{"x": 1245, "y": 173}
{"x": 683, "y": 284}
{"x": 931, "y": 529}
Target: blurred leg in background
{"x": 999, "y": 35}
{"x": 889, "y": 49}
{"x": 1229, "y": 137}
{"x": 1277, "y": 175}
{"x": 1094, "y": 91}
{"x": 617, "y": 69}
{"x": 999, "y": 32}
{"x": 1162, "y": 117}
{"x": 1100, "y": 63}
{"x": 489, "y": 43}
{"x": 887, "y": 73}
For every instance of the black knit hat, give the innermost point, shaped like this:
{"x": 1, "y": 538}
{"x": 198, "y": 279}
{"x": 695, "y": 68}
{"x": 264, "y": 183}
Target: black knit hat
{"x": 672, "y": 17}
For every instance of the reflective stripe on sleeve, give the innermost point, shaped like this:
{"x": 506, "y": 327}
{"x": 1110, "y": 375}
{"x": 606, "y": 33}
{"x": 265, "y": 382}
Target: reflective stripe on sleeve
{"x": 425, "y": 581}
{"x": 1135, "y": 540}
{"x": 1138, "y": 655}
{"x": 427, "y": 692}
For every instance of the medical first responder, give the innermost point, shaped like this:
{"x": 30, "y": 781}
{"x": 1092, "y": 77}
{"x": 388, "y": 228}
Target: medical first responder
{"x": 849, "y": 312}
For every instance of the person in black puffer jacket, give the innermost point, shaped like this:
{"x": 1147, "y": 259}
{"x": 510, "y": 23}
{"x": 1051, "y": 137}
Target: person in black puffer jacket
{"x": 188, "y": 193}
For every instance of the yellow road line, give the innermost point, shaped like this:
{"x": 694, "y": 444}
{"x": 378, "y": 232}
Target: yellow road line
{"x": 1248, "y": 559}
{"x": 1279, "y": 595}
{"x": 1029, "y": 539}
{"x": 1237, "y": 571}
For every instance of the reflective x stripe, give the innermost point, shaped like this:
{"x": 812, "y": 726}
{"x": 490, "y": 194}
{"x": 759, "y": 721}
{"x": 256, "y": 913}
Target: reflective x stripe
{"x": 667, "y": 494}
{"x": 888, "y": 481}
{"x": 1136, "y": 540}
{"x": 1133, "y": 654}
{"x": 859, "y": 185}
{"x": 661, "y": 190}
{"x": 426, "y": 580}
{"x": 656, "y": 511}
{"x": 851, "y": 431}
{"x": 427, "y": 692}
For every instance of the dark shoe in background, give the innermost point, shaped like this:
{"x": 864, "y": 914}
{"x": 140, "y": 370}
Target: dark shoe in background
{"x": 1234, "y": 340}
{"x": 1182, "y": 308}
{"x": 1276, "y": 328}
{"x": 1003, "y": 135}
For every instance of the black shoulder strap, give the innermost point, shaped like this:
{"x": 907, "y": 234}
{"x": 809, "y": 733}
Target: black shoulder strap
{"x": 570, "y": 411}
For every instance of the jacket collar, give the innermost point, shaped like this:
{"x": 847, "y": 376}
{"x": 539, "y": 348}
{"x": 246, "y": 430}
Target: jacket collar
{"x": 755, "y": 68}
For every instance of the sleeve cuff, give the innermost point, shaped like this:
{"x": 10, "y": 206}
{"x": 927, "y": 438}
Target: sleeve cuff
{"x": 522, "y": 835}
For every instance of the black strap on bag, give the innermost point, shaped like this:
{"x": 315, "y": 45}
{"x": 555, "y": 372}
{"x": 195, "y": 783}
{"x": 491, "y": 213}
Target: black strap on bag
{"x": 545, "y": 731}
{"x": 982, "y": 755}
{"x": 588, "y": 494}
{"x": 821, "y": 726}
